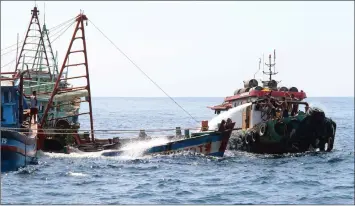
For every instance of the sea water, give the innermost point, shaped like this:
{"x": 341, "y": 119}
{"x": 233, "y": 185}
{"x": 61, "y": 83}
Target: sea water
{"x": 237, "y": 178}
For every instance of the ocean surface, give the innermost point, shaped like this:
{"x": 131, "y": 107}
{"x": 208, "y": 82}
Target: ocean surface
{"x": 237, "y": 178}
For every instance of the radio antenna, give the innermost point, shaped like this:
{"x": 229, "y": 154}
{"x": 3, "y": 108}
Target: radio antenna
{"x": 259, "y": 68}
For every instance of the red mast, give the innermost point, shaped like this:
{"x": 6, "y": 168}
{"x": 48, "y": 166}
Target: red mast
{"x": 57, "y": 89}
{"x": 36, "y": 30}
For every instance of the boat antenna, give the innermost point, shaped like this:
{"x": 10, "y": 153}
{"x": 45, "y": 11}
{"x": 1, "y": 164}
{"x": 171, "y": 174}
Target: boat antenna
{"x": 44, "y": 13}
{"x": 259, "y": 68}
{"x": 263, "y": 62}
{"x": 270, "y": 65}
{"x": 17, "y": 48}
{"x": 274, "y": 60}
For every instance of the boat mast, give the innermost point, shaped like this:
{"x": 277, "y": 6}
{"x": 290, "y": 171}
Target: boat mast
{"x": 57, "y": 89}
{"x": 34, "y": 22}
{"x": 46, "y": 34}
{"x": 270, "y": 72}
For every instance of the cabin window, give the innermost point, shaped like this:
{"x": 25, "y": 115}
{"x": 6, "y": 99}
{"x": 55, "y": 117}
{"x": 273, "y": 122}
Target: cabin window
{"x": 235, "y": 104}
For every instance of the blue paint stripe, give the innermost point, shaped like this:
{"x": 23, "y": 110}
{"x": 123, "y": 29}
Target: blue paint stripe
{"x": 18, "y": 144}
{"x": 11, "y": 161}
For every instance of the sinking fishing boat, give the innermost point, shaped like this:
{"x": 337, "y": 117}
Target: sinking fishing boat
{"x": 18, "y": 137}
{"x": 209, "y": 143}
{"x": 272, "y": 120}
{"x": 65, "y": 135}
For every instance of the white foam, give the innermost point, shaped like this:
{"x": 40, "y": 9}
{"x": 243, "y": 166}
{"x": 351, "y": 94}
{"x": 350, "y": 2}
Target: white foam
{"x": 74, "y": 153}
{"x": 76, "y": 174}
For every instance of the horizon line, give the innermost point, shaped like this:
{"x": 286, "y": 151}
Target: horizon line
{"x": 203, "y": 97}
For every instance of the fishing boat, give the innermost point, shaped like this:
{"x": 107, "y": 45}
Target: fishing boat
{"x": 64, "y": 135}
{"x": 18, "y": 137}
{"x": 272, "y": 120}
{"x": 37, "y": 58}
{"x": 209, "y": 143}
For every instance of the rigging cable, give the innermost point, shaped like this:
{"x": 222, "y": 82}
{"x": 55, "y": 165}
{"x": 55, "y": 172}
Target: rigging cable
{"x": 19, "y": 46}
{"x": 50, "y": 35}
{"x": 142, "y": 71}
{"x": 49, "y": 30}
{"x": 62, "y": 32}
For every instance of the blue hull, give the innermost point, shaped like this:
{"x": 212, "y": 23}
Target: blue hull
{"x": 210, "y": 144}
{"x": 17, "y": 150}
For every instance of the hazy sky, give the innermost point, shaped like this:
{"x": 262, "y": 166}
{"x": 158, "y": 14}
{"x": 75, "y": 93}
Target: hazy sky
{"x": 202, "y": 48}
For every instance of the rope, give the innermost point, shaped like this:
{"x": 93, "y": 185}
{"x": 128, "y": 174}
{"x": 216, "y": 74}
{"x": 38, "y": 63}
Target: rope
{"x": 143, "y": 71}
{"x": 63, "y": 32}
{"x": 51, "y": 29}
{"x": 51, "y": 35}
{"x": 76, "y": 133}
{"x": 20, "y": 45}
{"x": 102, "y": 130}
{"x": 55, "y": 27}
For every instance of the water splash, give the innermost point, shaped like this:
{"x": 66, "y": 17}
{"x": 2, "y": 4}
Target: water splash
{"x": 235, "y": 114}
{"x": 74, "y": 153}
{"x": 136, "y": 148}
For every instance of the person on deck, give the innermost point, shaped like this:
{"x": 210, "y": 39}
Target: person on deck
{"x": 272, "y": 105}
{"x": 306, "y": 108}
{"x": 294, "y": 106}
{"x": 229, "y": 124}
{"x": 34, "y": 107}
{"x": 222, "y": 127}
{"x": 284, "y": 107}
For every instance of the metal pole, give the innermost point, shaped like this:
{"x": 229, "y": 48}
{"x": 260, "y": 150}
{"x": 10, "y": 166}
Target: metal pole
{"x": 21, "y": 96}
{"x": 17, "y": 49}
{"x": 82, "y": 18}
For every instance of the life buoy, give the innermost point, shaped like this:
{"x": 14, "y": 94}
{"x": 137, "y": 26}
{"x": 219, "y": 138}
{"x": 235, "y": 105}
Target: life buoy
{"x": 262, "y": 129}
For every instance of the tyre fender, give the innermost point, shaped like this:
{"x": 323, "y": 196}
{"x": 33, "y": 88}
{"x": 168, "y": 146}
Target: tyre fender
{"x": 262, "y": 129}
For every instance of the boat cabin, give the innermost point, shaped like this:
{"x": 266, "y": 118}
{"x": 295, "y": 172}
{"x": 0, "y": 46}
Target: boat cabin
{"x": 10, "y": 104}
{"x": 250, "y": 114}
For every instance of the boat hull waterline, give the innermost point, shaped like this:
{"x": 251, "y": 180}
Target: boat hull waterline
{"x": 17, "y": 150}
{"x": 210, "y": 144}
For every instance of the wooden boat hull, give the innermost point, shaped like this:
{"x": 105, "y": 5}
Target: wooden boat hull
{"x": 209, "y": 144}
{"x": 17, "y": 150}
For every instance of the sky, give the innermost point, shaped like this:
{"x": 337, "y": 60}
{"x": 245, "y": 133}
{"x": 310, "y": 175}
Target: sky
{"x": 201, "y": 49}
